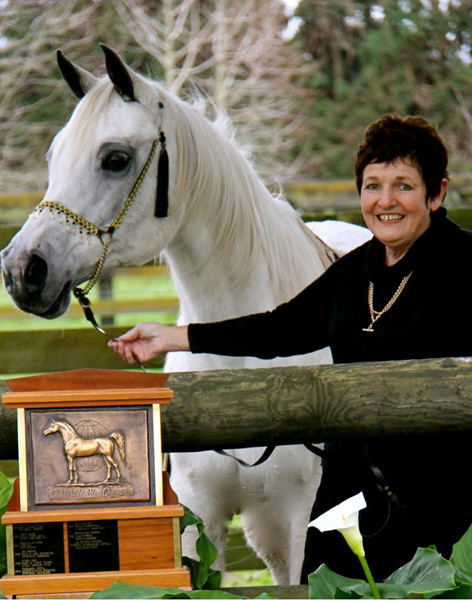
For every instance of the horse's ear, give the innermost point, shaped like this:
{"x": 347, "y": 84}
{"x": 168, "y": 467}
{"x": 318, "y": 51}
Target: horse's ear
{"x": 79, "y": 80}
{"x": 119, "y": 74}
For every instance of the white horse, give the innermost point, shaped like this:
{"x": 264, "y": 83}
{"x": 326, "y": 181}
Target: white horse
{"x": 232, "y": 250}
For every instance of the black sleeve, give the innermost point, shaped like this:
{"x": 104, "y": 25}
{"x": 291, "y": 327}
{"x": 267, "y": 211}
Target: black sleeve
{"x": 296, "y": 327}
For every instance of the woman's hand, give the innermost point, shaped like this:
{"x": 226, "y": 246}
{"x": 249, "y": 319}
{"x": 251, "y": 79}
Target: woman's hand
{"x": 148, "y": 340}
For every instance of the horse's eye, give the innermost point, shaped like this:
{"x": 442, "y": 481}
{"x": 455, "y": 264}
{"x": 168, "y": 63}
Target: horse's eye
{"x": 115, "y": 161}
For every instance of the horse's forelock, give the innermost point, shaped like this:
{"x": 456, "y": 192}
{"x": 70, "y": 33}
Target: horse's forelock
{"x": 79, "y": 132}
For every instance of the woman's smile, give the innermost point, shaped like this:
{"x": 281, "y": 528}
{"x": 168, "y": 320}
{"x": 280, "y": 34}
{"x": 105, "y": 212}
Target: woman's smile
{"x": 390, "y": 218}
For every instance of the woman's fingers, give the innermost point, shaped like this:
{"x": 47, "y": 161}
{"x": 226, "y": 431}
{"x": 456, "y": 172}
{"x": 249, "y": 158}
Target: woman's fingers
{"x": 148, "y": 340}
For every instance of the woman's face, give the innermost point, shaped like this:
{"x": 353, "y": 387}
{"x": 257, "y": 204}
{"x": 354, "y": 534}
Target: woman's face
{"x": 393, "y": 202}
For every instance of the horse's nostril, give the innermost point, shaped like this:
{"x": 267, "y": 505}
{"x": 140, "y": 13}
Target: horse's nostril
{"x": 36, "y": 272}
{"x": 6, "y": 277}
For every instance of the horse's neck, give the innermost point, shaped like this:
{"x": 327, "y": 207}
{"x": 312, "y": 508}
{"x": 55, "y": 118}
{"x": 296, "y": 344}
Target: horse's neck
{"x": 206, "y": 292}
{"x": 207, "y": 288}
{"x": 66, "y": 431}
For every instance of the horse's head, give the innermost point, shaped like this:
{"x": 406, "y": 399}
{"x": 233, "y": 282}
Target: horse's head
{"x": 95, "y": 162}
{"x": 52, "y": 428}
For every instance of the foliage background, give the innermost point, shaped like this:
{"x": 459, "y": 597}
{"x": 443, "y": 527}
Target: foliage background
{"x": 300, "y": 103}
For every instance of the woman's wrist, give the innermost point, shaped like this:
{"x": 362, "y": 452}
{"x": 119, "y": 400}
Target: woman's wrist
{"x": 177, "y": 338}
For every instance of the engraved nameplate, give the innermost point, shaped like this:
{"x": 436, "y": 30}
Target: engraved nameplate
{"x": 93, "y": 546}
{"x": 38, "y": 548}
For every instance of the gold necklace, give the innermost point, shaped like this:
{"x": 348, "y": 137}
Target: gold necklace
{"x": 376, "y": 314}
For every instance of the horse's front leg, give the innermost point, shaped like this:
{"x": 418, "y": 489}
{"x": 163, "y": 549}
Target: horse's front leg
{"x": 74, "y": 469}
{"x": 73, "y": 477}
{"x": 71, "y": 470}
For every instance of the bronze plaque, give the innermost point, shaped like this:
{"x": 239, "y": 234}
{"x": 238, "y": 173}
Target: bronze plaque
{"x": 88, "y": 457}
{"x": 38, "y": 548}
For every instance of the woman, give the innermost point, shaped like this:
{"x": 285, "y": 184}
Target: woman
{"x": 403, "y": 295}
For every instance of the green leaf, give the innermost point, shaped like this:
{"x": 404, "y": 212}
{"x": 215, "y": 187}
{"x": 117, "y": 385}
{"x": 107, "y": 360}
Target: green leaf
{"x": 126, "y": 590}
{"x": 343, "y": 594}
{"x": 464, "y": 590}
{"x": 324, "y": 583}
{"x": 202, "y": 576}
{"x": 188, "y": 519}
{"x": 214, "y": 579}
{"x": 6, "y": 490}
{"x": 212, "y": 594}
{"x": 428, "y": 572}
{"x": 206, "y": 550}
{"x": 138, "y": 592}
{"x": 461, "y": 557}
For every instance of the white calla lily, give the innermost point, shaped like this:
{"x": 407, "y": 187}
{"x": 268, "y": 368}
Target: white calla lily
{"x": 344, "y": 518}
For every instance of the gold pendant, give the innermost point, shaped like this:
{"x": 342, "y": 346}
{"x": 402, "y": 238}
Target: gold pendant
{"x": 369, "y": 329}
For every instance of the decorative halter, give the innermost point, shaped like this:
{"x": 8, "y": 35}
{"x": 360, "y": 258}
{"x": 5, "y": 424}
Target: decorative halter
{"x": 105, "y": 234}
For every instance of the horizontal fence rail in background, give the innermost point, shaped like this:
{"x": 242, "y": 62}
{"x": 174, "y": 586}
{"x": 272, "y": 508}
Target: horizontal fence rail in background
{"x": 110, "y": 306}
{"x": 45, "y": 351}
{"x": 312, "y": 195}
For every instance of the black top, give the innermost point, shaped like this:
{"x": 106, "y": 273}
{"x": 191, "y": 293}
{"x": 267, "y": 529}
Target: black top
{"x": 431, "y": 318}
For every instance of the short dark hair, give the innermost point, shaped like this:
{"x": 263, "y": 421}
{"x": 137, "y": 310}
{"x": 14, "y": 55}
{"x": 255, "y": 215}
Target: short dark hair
{"x": 411, "y": 139}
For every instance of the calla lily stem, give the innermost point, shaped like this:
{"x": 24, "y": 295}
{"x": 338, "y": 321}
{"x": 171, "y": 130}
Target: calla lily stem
{"x": 370, "y": 579}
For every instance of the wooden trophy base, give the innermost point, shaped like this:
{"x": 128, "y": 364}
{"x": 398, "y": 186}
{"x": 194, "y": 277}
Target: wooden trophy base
{"x": 80, "y": 551}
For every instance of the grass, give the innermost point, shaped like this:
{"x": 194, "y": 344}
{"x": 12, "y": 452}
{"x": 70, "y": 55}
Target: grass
{"x": 247, "y": 578}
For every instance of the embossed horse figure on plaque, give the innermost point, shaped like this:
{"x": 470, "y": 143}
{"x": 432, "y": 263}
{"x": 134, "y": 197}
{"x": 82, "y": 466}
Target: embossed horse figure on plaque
{"x": 77, "y": 447}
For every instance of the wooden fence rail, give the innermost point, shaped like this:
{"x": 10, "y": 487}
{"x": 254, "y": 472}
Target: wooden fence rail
{"x": 287, "y": 405}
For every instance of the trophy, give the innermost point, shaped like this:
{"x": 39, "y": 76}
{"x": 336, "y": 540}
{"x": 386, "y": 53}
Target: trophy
{"x": 92, "y": 504}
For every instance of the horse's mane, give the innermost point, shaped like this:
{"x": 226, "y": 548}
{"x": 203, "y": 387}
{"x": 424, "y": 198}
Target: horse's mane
{"x": 221, "y": 185}
{"x": 66, "y": 426}
{"x": 217, "y": 183}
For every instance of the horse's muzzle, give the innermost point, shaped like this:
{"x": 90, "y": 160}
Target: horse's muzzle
{"x": 27, "y": 283}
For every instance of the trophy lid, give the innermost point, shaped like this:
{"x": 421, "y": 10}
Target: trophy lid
{"x": 87, "y": 387}
{"x": 87, "y": 379}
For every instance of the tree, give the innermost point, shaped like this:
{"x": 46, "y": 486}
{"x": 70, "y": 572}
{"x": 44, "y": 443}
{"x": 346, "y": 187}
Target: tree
{"x": 34, "y": 103}
{"x": 232, "y": 52}
{"x": 403, "y": 56}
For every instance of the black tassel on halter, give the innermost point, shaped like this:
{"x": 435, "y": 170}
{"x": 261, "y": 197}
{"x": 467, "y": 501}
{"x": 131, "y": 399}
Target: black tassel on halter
{"x": 162, "y": 197}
